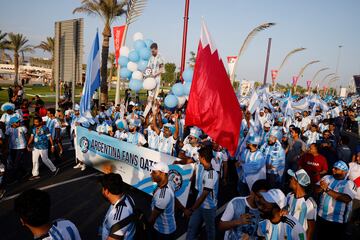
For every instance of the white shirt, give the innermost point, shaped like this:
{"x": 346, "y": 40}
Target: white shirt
{"x": 166, "y": 145}
{"x": 218, "y": 159}
{"x": 302, "y": 209}
{"x": 136, "y": 138}
{"x": 312, "y": 137}
{"x": 305, "y": 123}
{"x": 120, "y": 135}
{"x": 153, "y": 138}
{"x": 354, "y": 175}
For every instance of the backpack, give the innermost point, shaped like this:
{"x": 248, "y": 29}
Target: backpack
{"x": 139, "y": 220}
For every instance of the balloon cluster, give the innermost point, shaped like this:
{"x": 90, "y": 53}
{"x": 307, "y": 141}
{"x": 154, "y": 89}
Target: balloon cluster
{"x": 180, "y": 91}
{"x": 134, "y": 62}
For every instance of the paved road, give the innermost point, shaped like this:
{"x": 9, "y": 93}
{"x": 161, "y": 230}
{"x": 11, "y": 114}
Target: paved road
{"x": 75, "y": 195}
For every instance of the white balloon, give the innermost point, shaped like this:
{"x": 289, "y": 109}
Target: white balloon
{"x": 138, "y": 36}
{"x": 149, "y": 83}
{"x": 137, "y": 75}
{"x": 124, "y": 51}
{"x": 181, "y": 101}
{"x": 132, "y": 66}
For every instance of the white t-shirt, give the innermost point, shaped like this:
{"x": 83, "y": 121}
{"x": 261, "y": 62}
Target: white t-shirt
{"x": 302, "y": 209}
{"x": 166, "y": 145}
{"x": 354, "y": 175}
{"x": 121, "y": 135}
{"x": 153, "y": 138}
{"x": 136, "y": 138}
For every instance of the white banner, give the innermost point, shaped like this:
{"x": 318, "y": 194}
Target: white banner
{"x": 133, "y": 163}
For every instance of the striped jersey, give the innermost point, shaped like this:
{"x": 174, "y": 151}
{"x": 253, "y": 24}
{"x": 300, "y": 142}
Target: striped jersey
{"x": 252, "y": 167}
{"x": 136, "y": 138}
{"x": 303, "y": 209}
{"x": 17, "y": 138}
{"x": 153, "y": 138}
{"x": 218, "y": 159}
{"x": 117, "y": 212}
{"x": 274, "y": 156}
{"x": 121, "y": 135}
{"x": 166, "y": 145}
{"x": 164, "y": 201}
{"x": 61, "y": 229}
{"x": 288, "y": 228}
{"x": 52, "y": 124}
{"x": 5, "y": 118}
{"x": 235, "y": 208}
{"x": 331, "y": 209}
{"x": 191, "y": 152}
{"x": 312, "y": 137}
{"x": 208, "y": 180}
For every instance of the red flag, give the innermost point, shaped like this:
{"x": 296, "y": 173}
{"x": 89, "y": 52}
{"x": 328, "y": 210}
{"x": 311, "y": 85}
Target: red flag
{"x": 118, "y": 33}
{"x": 308, "y": 84}
{"x": 212, "y": 104}
{"x": 295, "y": 80}
{"x": 274, "y": 74}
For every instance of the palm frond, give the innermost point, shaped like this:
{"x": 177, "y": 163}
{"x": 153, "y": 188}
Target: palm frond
{"x": 289, "y": 55}
{"x": 304, "y": 67}
{"x": 330, "y": 74}
{"x": 134, "y": 9}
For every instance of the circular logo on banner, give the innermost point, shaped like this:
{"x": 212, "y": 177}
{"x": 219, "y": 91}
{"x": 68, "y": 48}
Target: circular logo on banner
{"x": 84, "y": 144}
{"x": 175, "y": 179}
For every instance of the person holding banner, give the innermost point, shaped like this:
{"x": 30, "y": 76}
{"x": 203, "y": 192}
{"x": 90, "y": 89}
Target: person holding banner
{"x": 134, "y": 136}
{"x": 162, "y": 216}
{"x": 168, "y": 137}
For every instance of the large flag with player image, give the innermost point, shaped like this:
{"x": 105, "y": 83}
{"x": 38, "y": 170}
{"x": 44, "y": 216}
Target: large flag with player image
{"x": 92, "y": 77}
{"x": 212, "y": 104}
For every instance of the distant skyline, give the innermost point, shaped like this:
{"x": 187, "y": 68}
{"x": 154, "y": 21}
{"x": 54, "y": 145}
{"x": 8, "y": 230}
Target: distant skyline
{"x": 320, "y": 26}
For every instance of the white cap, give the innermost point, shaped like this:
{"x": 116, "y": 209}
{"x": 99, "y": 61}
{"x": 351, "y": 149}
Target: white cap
{"x": 267, "y": 124}
{"x": 160, "y": 166}
{"x": 275, "y": 196}
{"x": 77, "y": 107}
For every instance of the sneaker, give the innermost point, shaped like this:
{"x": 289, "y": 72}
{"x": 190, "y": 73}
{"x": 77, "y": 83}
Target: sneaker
{"x": 83, "y": 167}
{"x": 34, "y": 177}
{"x": 77, "y": 166}
{"x": 56, "y": 171}
{"x": 2, "y": 193}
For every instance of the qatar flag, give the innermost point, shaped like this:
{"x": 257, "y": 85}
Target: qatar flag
{"x": 212, "y": 104}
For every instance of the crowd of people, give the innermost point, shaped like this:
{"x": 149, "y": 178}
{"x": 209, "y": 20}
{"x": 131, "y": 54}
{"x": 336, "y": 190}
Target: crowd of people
{"x": 296, "y": 176}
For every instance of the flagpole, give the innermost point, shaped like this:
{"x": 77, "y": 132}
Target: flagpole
{"x": 186, "y": 20}
{"x": 267, "y": 61}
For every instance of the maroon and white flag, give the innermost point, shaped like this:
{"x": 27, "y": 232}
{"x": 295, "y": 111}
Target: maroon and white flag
{"x": 118, "y": 33}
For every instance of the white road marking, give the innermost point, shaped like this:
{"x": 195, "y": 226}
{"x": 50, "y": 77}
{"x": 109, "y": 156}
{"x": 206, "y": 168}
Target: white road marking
{"x": 218, "y": 212}
{"x": 52, "y": 185}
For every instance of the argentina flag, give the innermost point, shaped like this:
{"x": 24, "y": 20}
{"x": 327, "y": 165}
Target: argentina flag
{"x": 92, "y": 78}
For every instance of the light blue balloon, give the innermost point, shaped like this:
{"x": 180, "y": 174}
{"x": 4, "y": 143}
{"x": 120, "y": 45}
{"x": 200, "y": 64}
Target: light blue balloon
{"x": 135, "y": 85}
{"x": 142, "y": 65}
{"x": 139, "y": 44}
{"x": 187, "y": 87}
{"x": 145, "y": 53}
{"x": 148, "y": 42}
{"x": 134, "y": 56}
{"x": 125, "y": 73}
{"x": 178, "y": 89}
{"x": 123, "y": 61}
{"x": 171, "y": 101}
{"x": 188, "y": 74}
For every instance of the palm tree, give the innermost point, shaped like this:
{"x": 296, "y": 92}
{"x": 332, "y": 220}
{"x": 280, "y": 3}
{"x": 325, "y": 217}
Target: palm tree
{"x": 108, "y": 11}
{"x": 17, "y": 43}
{"x": 49, "y": 46}
{"x": 3, "y": 45}
{"x": 111, "y": 60}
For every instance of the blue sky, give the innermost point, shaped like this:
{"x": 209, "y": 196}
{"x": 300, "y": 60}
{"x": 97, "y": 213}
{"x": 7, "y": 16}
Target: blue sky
{"x": 318, "y": 25}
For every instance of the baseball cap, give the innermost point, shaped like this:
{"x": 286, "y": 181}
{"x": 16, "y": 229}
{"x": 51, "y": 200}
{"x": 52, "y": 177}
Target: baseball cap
{"x": 14, "y": 119}
{"x": 301, "y": 177}
{"x": 254, "y": 139}
{"x": 341, "y": 165}
{"x": 195, "y": 132}
{"x": 276, "y": 133}
{"x": 170, "y": 126}
{"x": 77, "y": 107}
{"x": 160, "y": 166}
{"x": 7, "y": 106}
{"x": 275, "y": 196}
{"x": 267, "y": 124}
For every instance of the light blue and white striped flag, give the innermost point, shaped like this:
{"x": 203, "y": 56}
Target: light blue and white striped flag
{"x": 92, "y": 78}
